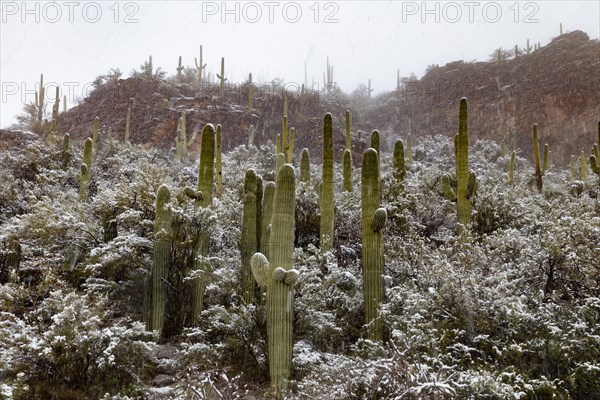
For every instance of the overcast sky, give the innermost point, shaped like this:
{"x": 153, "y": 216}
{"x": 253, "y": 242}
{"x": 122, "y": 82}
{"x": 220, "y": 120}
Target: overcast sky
{"x": 72, "y": 42}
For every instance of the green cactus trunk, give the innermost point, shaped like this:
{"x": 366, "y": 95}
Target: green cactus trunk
{"x": 249, "y": 244}
{"x": 373, "y": 222}
{"x": 399, "y": 164}
{"x": 66, "y": 151}
{"x": 219, "y": 161}
{"x": 250, "y": 93}
{"x": 583, "y": 172}
{"x": 160, "y": 259}
{"x": 284, "y": 135}
{"x": 85, "y": 176}
{"x": 305, "y": 165}
{"x": 538, "y": 173}
{"x": 463, "y": 203}
{"x": 222, "y": 79}
{"x": 280, "y": 162}
{"x": 95, "y": 133}
{"x": 347, "y": 171}
{"x": 376, "y": 141}
{"x": 326, "y": 197}
{"x": 278, "y": 277}
{"x": 348, "y": 136}
{"x": 290, "y": 150}
{"x": 206, "y": 172}
{"x": 267, "y": 214}
{"x": 574, "y": 174}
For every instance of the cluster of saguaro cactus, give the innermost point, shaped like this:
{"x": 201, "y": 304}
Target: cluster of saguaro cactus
{"x": 372, "y": 223}
{"x": 250, "y": 236}
{"x": 85, "y": 176}
{"x": 222, "y": 79}
{"x": 160, "y": 260}
{"x": 181, "y": 154}
{"x": 305, "y": 165}
{"x": 326, "y": 196}
{"x": 399, "y": 163}
{"x": 540, "y": 166}
{"x": 347, "y": 158}
{"x": 466, "y": 181}
{"x": 277, "y": 276}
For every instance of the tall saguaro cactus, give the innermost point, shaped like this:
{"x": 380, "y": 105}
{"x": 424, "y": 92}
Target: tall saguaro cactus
{"x": 200, "y": 67}
{"x": 277, "y": 276}
{"x": 222, "y": 78}
{"x": 595, "y": 157}
{"x": 540, "y": 168}
{"x": 249, "y": 244}
{"x": 326, "y": 198}
{"x": 203, "y": 198}
{"x": 95, "y": 133}
{"x": 85, "y": 176}
{"x": 373, "y": 221}
{"x": 399, "y": 164}
{"x": 219, "y": 160}
{"x": 40, "y": 100}
{"x": 66, "y": 151}
{"x": 160, "y": 259}
{"x": 127, "y": 126}
{"x": 267, "y": 214}
{"x": 347, "y": 167}
{"x": 305, "y": 165}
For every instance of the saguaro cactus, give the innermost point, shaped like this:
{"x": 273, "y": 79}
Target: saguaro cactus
{"x": 399, "y": 164}
{"x": 219, "y": 160}
{"x": 179, "y": 69}
{"x": 373, "y": 222}
{"x": 222, "y": 78}
{"x": 540, "y": 169}
{"x": 95, "y": 133}
{"x": 66, "y": 151}
{"x": 203, "y": 198}
{"x": 375, "y": 141}
{"x": 348, "y": 136}
{"x": 267, "y": 213}
{"x": 249, "y": 244}
{"x": 160, "y": 259}
{"x": 290, "y": 146}
{"x": 595, "y": 157}
{"x": 250, "y": 92}
{"x": 583, "y": 172}
{"x": 305, "y": 165}
{"x": 277, "y": 276}
{"x": 40, "y": 100}
{"x": 347, "y": 170}
{"x": 326, "y": 197}
{"x": 200, "y": 67}
{"x": 85, "y": 176}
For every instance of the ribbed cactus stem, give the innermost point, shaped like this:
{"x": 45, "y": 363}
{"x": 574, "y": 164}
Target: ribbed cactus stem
{"x": 248, "y": 245}
{"x": 206, "y": 171}
{"x": 219, "y": 161}
{"x": 538, "y": 174}
{"x": 66, "y": 151}
{"x": 40, "y": 99}
{"x": 546, "y": 158}
{"x": 305, "y": 165}
{"x": 372, "y": 223}
{"x": 376, "y": 141}
{"x": 267, "y": 213}
{"x": 278, "y": 277}
{"x": 583, "y": 172}
{"x": 259, "y": 201}
{"x": 511, "y": 168}
{"x": 179, "y": 69}
{"x": 160, "y": 259}
{"x": 290, "y": 150}
{"x": 280, "y": 162}
{"x": 348, "y": 136}
{"x": 347, "y": 171}
{"x": 574, "y": 174}
{"x": 222, "y": 79}
{"x": 409, "y": 150}
{"x": 463, "y": 203}
{"x": 95, "y": 133}
{"x": 85, "y": 171}
{"x": 326, "y": 200}
{"x": 200, "y": 67}
{"x": 284, "y": 135}
{"x": 399, "y": 164}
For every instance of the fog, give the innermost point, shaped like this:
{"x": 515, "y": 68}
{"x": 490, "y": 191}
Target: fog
{"x": 73, "y": 42}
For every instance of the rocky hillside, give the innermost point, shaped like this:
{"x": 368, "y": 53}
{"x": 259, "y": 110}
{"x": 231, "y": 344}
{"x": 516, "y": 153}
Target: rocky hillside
{"x": 557, "y": 87}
